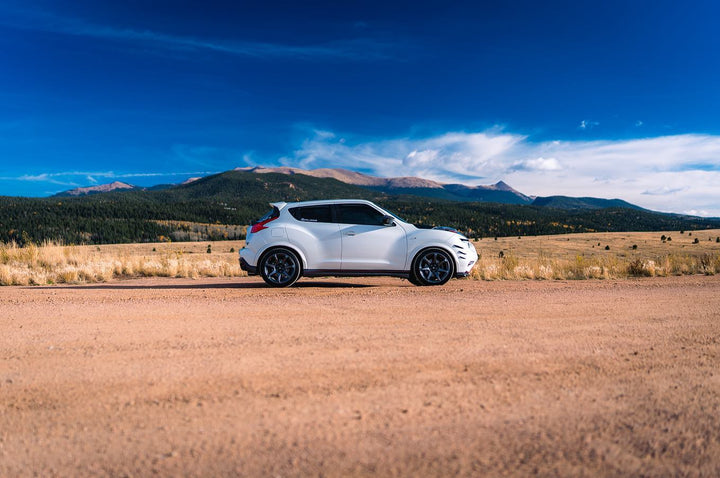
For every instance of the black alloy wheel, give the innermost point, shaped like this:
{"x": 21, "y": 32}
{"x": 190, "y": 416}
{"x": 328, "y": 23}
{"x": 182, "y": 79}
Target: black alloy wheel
{"x": 280, "y": 267}
{"x": 433, "y": 267}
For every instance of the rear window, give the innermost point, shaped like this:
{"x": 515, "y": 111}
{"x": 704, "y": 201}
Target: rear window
{"x": 312, "y": 213}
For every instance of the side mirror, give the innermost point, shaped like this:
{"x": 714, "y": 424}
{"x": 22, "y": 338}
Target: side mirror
{"x": 388, "y": 221}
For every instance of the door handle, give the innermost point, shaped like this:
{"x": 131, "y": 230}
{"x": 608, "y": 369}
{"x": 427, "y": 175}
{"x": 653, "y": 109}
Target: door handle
{"x": 351, "y": 233}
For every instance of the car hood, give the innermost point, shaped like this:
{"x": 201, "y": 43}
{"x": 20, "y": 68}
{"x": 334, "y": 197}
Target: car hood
{"x": 440, "y": 233}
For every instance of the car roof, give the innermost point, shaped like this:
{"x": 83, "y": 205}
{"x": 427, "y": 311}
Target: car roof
{"x": 320, "y": 202}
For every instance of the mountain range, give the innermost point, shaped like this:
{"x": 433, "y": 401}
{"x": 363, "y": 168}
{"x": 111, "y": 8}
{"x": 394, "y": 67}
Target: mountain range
{"x": 499, "y": 192}
{"x": 220, "y": 205}
{"x": 100, "y": 188}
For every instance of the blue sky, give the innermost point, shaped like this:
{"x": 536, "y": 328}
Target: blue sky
{"x": 609, "y": 99}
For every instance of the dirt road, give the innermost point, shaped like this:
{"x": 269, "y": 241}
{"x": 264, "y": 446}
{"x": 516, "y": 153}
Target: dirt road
{"x": 358, "y": 377}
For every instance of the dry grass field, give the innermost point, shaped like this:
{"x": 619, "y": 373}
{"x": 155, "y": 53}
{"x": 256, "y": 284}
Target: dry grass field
{"x": 51, "y": 263}
{"x": 599, "y": 255}
{"x": 361, "y": 377}
{"x": 571, "y": 256}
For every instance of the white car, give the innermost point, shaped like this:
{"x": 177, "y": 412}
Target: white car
{"x": 350, "y": 237}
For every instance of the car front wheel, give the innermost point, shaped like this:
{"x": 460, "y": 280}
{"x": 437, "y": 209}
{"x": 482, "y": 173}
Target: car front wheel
{"x": 280, "y": 267}
{"x": 432, "y": 267}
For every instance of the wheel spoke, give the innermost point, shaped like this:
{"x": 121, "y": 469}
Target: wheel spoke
{"x": 434, "y": 267}
{"x": 280, "y": 268}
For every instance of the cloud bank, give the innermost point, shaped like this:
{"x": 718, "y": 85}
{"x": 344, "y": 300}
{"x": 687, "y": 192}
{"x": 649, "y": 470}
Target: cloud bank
{"x": 678, "y": 173}
{"x": 73, "y": 179}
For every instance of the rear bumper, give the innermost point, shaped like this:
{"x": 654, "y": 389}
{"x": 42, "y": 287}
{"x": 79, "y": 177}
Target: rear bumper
{"x": 251, "y": 270}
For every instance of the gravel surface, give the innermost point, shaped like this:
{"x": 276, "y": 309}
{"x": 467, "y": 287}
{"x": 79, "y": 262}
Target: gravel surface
{"x": 359, "y": 377}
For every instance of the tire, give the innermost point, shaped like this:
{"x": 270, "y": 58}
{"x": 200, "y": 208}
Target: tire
{"x": 280, "y": 267}
{"x": 413, "y": 280}
{"x": 432, "y": 267}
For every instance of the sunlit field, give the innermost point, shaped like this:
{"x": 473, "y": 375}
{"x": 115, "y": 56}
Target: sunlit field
{"x": 572, "y": 256}
{"x": 51, "y": 263}
{"x": 599, "y": 255}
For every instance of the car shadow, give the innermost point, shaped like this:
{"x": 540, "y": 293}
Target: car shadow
{"x": 229, "y": 285}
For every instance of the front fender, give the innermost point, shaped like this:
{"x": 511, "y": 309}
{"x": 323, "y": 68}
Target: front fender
{"x": 426, "y": 238}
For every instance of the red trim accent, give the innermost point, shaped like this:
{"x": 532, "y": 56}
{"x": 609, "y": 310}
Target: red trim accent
{"x": 261, "y": 225}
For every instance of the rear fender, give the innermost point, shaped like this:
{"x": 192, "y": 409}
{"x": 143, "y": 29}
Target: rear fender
{"x": 285, "y": 245}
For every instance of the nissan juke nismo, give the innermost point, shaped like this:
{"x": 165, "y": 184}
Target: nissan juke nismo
{"x": 350, "y": 238}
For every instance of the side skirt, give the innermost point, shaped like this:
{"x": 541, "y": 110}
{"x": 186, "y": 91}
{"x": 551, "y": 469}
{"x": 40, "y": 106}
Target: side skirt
{"x": 353, "y": 273}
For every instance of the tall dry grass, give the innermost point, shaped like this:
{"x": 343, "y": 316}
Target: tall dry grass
{"x": 511, "y": 267}
{"x": 572, "y": 256}
{"x": 53, "y": 263}
{"x": 599, "y": 255}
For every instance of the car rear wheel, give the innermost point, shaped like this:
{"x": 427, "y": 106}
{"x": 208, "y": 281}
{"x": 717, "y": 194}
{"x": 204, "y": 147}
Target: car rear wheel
{"x": 280, "y": 267}
{"x": 432, "y": 267}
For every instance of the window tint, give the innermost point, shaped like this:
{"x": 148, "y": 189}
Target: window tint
{"x": 359, "y": 214}
{"x": 312, "y": 213}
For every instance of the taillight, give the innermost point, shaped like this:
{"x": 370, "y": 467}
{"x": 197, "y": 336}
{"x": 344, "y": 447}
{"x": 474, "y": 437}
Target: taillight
{"x": 259, "y": 226}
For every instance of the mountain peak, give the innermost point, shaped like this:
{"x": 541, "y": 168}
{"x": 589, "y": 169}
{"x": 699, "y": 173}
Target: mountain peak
{"x": 499, "y": 192}
{"x": 502, "y": 186}
{"x": 100, "y": 188}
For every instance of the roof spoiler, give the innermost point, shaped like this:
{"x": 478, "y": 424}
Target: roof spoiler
{"x": 278, "y": 205}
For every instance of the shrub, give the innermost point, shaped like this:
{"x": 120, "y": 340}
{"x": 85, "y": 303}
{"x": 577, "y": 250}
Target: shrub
{"x": 634, "y": 246}
{"x": 696, "y": 241}
{"x": 637, "y": 268}
{"x": 209, "y": 249}
{"x": 707, "y": 264}
{"x": 607, "y": 248}
{"x": 663, "y": 237}
{"x": 508, "y": 266}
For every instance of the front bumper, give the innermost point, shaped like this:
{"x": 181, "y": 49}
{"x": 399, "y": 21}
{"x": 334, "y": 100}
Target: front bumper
{"x": 467, "y": 258}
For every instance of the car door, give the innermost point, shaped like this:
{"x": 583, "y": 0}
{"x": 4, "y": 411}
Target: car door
{"x": 367, "y": 244}
{"x": 317, "y": 237}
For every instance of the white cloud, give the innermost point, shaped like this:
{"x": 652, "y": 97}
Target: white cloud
{"x": 668, "y": 173}
{"x": 586, "y": 124}
{"x": 695, "y": 212}
{"x": 78, "y": 178}
{"x": 539, "y": 164}
{"x": 663, "y": 191}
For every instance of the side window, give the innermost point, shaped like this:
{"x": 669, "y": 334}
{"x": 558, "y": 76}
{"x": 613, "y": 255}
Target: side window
{"x": 312, "y": 213}
{"x": 359, "y": 214}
